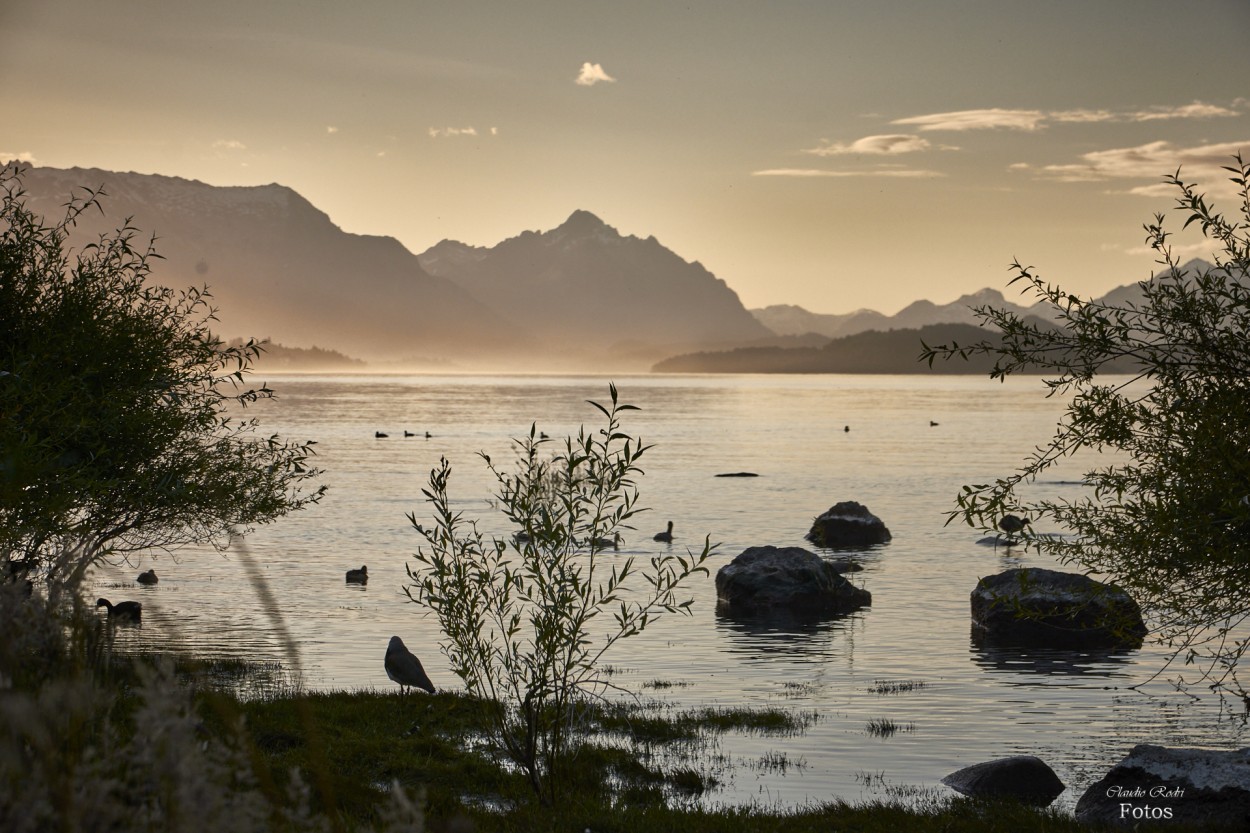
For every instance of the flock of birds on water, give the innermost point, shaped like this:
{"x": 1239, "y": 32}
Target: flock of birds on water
{"x": 402, "y": 665}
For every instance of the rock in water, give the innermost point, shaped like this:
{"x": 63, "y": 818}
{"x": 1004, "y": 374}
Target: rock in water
{"x": 1038, "y": 608}
{"x": 848, "y": 524}
{"x": 1198, "y": 787}
{"x": 1024, "y": 778}
{"x": 764, "y": 580}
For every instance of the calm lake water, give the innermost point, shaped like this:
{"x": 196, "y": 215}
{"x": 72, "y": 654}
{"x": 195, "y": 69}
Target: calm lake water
{"x": 1075, "y": 711}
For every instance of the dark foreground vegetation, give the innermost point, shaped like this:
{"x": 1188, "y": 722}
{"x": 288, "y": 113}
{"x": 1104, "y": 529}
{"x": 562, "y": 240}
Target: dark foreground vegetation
{"x": 91, "y": 739}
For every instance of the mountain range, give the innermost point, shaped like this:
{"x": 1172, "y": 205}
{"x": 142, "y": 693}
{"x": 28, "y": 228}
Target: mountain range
{"x": 578, "y": 297}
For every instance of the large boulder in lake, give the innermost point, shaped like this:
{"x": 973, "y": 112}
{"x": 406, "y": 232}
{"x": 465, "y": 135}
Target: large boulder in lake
{"x": 848, "y": 524}
{"x": 787, "y": 580}
{"x": 1205, "y": 788}
{"x": 1024, "y": 778}
{"x": 1037, "y": 608}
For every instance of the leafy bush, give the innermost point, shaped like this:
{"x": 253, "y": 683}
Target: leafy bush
{"x": 519, "y": 613}
{"x": 1169, "y": 519}
{"x": 115, "y": 398}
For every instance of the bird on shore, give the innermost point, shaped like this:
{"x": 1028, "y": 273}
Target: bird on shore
{"x": 403, "y": 667}
{"x": 1013, "y": 524}
{"x": 148, "y": 577}
{"x": 360, "y": 576}
{"x": 122, "y": 611}
{"x": 666, "y": 537}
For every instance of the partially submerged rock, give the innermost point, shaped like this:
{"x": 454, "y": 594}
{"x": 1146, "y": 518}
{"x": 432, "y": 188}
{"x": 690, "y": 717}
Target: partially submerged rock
{"x": 1024, "y": 778}
{"x": 848, "y": 524}
{"x": 765, "y": 580}
{"x": 1199, "y": 787}
{"x": 1038, "y": 608}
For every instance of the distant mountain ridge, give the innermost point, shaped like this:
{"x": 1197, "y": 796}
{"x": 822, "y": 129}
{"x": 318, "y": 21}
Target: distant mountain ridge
{"x": 279, "y": 268}
{"x": 586, "y": 286}
{"x": 790, "y": 320}
{"x": 794, "y": 320}
{"x": 578, "y": 297}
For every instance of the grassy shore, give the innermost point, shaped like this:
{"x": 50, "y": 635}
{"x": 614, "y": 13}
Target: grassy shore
{"x": 90, "y": 740}
{"x": 635, "y": 772}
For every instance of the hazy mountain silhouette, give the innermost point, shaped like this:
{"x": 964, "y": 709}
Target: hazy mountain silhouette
{"x": 893, "y": 345}
{"x": 584, "y": 287}
{"x": 580, "y": 296}
{"x": 279, "y": 268}
{"x": 871, "y": 351}
{"x": 794, "y": 320}
{"x": 790, "y": 320}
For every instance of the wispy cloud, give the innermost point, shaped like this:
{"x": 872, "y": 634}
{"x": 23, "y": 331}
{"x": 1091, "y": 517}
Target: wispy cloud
{"x": 452, "y": 132}
{"x": 887, "y": 145}
{"x": 1031, "y": 120}
{"x": 1197, "y": 110}
{"x": 229, "y": 144}
{"x": 25, "y": 156}
{"x": 978, "y": 120}
{"x": 1148, "y": 161}
{"x": 905, "y": 173}
{"x": 592, "y": 74}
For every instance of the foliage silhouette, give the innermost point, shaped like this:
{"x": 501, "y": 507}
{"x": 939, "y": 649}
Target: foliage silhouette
{"x": 1168, "y": 518}
{"x": 519, "y": 613}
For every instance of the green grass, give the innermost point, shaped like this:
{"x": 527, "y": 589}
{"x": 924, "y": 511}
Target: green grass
{"x": 362, "y": 742}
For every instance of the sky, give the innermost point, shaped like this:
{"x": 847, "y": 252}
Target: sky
{"x": 837, "y": 155}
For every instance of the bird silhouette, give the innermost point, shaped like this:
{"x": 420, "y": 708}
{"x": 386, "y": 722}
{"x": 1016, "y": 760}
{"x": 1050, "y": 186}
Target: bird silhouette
{"x": 603, "y": 543}
{"x": 148, "y": 577}
{"x": 403, "y": 667}
{"x": 122, "y": 611}
{"x": 1012, "y": 524}
{"x": 360, "y": 576}
{"x": 408, "y": 433}
{"x": 666, "y": 537}
{"x": 379, "y": 435}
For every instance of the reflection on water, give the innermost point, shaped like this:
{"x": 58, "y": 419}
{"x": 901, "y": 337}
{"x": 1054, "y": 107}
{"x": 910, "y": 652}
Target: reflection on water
{"x": 1050, "y": 661}
{"x": 814, "y": 636}
{"x": 974, "y": 704}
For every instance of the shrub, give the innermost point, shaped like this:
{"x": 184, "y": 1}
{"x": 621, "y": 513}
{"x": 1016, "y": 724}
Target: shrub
{"x": 116, "y": 431}
{"x": 519, "y": 613}
{"x": 1168, "y": 519}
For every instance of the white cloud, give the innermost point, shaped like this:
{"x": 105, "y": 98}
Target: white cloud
{"x": 450, "y": 132}
{"x": 890, "y": 144}
{"x": 592, "y": 74}
{"x": 1083, "y": 116}
{"x": 1149, "y": 161}
{"x": 904, "y": 173}
{"x": 25, "y": 156}
{"x": 1031, "y": 120}
{"x": 331, "y": 129}
{"x": 229, "y": 144}
{"x": 494, "y": 131}
{"x": 1197, "y": 110}
{"x": 978, "y": 120}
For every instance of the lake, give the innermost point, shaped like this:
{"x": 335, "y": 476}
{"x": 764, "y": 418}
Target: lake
{"x": 1075, "y": 711}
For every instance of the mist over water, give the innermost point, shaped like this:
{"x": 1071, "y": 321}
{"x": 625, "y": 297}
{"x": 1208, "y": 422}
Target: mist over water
{"x": 1074, "y": 710}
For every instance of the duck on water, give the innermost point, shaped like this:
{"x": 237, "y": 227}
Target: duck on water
{"x": 122, "y": 611}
